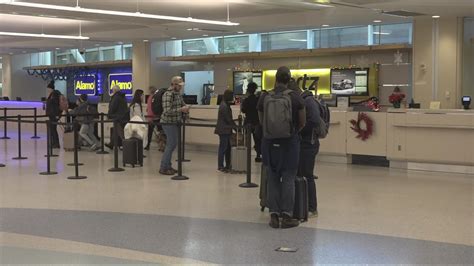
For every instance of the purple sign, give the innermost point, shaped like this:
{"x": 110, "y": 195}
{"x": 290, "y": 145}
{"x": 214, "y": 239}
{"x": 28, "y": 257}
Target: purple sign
{"x": 123, "y": 80}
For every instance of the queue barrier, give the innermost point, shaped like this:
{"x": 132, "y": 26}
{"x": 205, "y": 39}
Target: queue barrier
{"x": 102, "y": 121}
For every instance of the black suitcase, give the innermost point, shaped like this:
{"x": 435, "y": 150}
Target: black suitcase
{"x": 112, "y": 135}
{"x": 300, "y": 211}
{"x": 263, "y": 188}
{"x": 133, "y": 152}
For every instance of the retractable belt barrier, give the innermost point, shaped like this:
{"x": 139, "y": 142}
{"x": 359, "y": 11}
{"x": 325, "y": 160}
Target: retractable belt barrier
{"x": 181, "y": 142}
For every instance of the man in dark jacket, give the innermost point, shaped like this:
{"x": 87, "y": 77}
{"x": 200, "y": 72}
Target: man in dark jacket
{"x": 53, "y": 112}
{"x": 249, "y": 108}
{"x": 309, "y": 146}
{"x": 225, "y": 124}
{"x": 118, "y": 110}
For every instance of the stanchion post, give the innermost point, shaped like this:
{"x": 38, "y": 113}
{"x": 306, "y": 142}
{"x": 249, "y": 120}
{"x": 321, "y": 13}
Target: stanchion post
{"x": 50, "y": 146}
{"x": 75, "y": 125}
{"x": 48, "y": 150}
{"x": 180, "y": 175}
{"x": 76, "y": 155}
{"x": 35, "y": 113}
{"x": 102, "y": 144}
{"x": 184, "y": 142}
{"x": 5, "y": 124}
{"x": 19, "y": 141}
{"x": 248, "y": 183}
{"x": 116, "y": 168}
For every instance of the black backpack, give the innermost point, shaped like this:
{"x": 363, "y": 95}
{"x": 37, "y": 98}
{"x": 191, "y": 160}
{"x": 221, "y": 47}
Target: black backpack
{"x": 157, "y": 103}
{"x": 325, "y": 120}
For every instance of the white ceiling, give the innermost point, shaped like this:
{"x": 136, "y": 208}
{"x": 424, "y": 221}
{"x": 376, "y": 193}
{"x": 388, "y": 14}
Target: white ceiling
{"x": 253, "y": 15}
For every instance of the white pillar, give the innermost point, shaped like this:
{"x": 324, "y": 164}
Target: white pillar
{"x": 141, "y": 64}
{"x": 7, "y": 75}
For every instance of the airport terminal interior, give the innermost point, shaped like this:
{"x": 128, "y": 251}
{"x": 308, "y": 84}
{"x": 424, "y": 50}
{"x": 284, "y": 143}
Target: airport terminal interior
{"x": 97, "y": 97}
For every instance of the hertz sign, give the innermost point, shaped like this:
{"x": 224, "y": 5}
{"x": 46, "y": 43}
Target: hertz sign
{"x": 124, "y": 81}
{"x": 85, "y": 85}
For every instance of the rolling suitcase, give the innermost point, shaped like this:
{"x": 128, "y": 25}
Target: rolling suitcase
{"x": 300, "y": 211}
{"x": 68, "y": 141}
{"x": 112, "y": 135}
{"x": 263, "y": 188}
{"x": 239, "y": 156}
{"x": 133, "y": 152}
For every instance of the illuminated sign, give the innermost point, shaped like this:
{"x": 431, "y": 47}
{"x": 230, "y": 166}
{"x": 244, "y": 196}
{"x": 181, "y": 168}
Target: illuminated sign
{"x": 319, "y": 78}
{"x": 85, "y": 85}
{"x": 124, "y": 81}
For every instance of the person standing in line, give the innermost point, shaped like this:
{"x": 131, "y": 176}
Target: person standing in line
{"x": 281, "y": 155}
{"x": 136, "y": 106}
{"x": 85, "y": 117}
{"x": 173, "y": 110}
{"x": 53, "y": 111}
{"x": 309, "y": 146}
{"x": 249, "y": 108}
{"x": 224, "y": 127}
{"x": 150, "y": 116}
{"x": 118, "y": 111}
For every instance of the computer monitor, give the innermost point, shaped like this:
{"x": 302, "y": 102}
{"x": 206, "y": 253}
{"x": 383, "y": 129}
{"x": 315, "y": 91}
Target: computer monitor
{"x": 6, "y": 98}
{"x": 18, "y": 99}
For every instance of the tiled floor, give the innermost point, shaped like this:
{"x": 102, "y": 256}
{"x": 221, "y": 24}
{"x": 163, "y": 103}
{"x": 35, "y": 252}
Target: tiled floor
{"x": 367, "y": 214}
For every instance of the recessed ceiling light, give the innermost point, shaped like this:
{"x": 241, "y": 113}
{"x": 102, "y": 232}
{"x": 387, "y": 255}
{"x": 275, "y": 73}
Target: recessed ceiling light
{"x": 240, "y": 32}
{"x": 325, "y": 25}
{"x": 173, "y": 38}
{"x": 57, "y": 48}
{"x": 24, "y": 52}
{"x": 97, "y": 44}
{"x": 11, "y": 53}
{"x": 145, "y": 40}
{"x": 377, "y": 21}
{"x": 120, "y": 43}
{"x": 205, "y": 35}
{"x": 436, "y": 16}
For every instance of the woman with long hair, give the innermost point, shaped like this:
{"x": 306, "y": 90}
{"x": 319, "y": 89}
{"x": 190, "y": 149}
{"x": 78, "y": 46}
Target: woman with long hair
{"x": 136, "y": 106}
{"x": 224, "y": 127}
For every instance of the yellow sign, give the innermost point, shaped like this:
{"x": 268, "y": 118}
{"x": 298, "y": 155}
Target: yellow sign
{"x": 122, "y": 85}
{"x": 319, "y": 78}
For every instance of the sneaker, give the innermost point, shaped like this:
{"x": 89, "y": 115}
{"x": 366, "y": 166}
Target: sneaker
{"x": 147, "y": 148}
{"x": 167, "y": 172}
{"x": 288, "y": 221}
{"x": 258, "y": 159}
{"x": 174, "y": 170}
{"x": 93, "y": 147}
{"x": 223, "y": 170}
{"x": 313, "y": 214}
{"x": 108, "y": 145}
{"x": 274, "y": 221}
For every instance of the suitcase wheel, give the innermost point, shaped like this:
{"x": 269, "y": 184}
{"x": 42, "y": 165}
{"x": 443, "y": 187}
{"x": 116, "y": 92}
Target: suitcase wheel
{"x": 133, "y": 166}
{"x": 262, "y": 209}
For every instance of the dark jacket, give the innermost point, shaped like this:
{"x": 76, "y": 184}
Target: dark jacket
{"x": 118, "y": 108}
{"x": 52, "y": 104}
{"x": 82, "y": 110}
{"x": 225, "y": 123}
{"x": 312, "y": 115}
{"x": 249, "y": 108}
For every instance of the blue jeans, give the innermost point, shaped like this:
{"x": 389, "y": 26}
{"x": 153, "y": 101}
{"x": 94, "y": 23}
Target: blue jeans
{"x": 281, "y": 157}
{"x": 224, "y": 151}
{"x": 171, "y": 132}
{"x": 87, "y": 133}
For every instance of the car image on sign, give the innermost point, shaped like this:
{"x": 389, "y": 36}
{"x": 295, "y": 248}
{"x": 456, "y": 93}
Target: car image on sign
{"x": 344, "y": 87}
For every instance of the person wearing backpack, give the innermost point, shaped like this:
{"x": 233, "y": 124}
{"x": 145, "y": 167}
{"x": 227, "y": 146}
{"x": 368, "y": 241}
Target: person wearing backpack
{"x": 85, "y": 113}
{"x": 118, "y": 111}
{"x": 157, "y": 110}
{"x": 309, "y": 147}
{"x": 249, "y": 108}
{"x": 53, "y": 111}
{"x": 173, "y": 110}
{"x": 282, "y": 115}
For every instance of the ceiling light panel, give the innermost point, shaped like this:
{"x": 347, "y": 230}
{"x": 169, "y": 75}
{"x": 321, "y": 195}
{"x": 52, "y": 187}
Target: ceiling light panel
{"x": 115, "y": 13}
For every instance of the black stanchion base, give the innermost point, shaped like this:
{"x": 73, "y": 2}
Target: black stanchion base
{"x": 116, "y": 169}
{"x": 2, "y": 165}
{"x": 52, "y": 155}
{"x": 35, "y": 137}
{"x": 20, "y": 158}
{"x": 180, "y": 177}
{"x": 77, "y": 177}
{"x": 73, "y": 164}
{"x": 102, "y": 152}
{"x": 185, "y": 160}
{"x": 248, "y": 185}
{"x": 5, "y": 138}
{"x": 48, "y": 173}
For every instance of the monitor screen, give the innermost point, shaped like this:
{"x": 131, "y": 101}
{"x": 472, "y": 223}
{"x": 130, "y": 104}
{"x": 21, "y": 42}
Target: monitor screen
{"x": 242, "y": 79}
{"x": 466, "y": 98}
{"x": 350, "y": 81}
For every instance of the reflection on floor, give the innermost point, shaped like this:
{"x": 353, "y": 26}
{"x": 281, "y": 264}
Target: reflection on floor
{"x": 367, "y": 214}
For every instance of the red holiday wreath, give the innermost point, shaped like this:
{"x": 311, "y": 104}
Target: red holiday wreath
{"x": 363, "y": 134}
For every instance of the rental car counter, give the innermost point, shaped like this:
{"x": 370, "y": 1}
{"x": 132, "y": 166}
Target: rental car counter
{"x": 418, "y": 139}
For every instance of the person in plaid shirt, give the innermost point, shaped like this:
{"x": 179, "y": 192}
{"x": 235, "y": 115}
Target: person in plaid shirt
{"x": 173, "y": 110}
